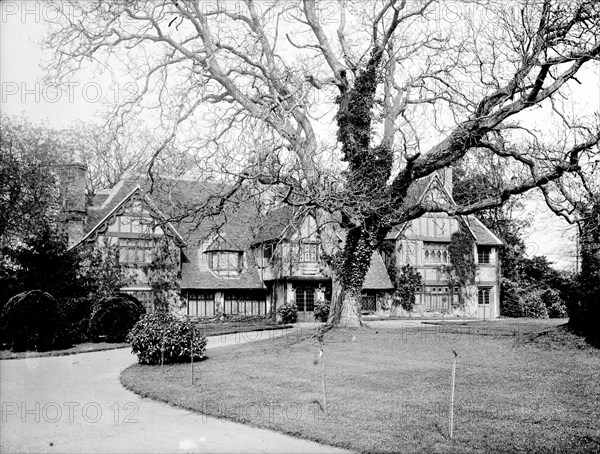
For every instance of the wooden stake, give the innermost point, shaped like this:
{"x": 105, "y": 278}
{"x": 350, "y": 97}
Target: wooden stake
{"x": 162, "y": 352}
{"x": 452, "y": 394}
{"x": 324, "y": 391}
{"x": 192, "y": 357}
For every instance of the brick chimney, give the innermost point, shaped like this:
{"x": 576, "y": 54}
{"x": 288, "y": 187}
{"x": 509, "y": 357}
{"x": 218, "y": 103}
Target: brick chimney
{"x": 72, "y": 199}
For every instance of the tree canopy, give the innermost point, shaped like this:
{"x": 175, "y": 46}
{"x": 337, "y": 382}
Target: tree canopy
{"x": 342, "y": 105}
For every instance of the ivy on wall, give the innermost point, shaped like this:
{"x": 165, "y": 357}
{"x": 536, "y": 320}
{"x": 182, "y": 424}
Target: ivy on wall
{"x": 462, "y": 269}
{"x": 408, "y": 281}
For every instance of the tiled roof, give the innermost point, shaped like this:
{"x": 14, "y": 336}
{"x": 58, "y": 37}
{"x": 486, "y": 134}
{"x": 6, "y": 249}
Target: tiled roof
{"x": 377, "y": 277}
{"x": 176, "y": 199}
{"x": 278, "y": 224}
{"x": 483, "y": 235}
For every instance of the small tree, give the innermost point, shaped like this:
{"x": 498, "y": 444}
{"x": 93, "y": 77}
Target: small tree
{"x": 101, "y": 272}
{"x": 163, "y": 276}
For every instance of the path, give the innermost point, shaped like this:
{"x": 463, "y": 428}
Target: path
{"x": 77, "y": 404}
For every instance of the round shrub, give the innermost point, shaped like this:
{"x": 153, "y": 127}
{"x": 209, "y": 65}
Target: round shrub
{"x": 162, "y": 331}
{"x": 322, "y": 311}
{"x": 32, "y": 320}
{"x": 287, "y": 313}
{"x": 113, "y": 317}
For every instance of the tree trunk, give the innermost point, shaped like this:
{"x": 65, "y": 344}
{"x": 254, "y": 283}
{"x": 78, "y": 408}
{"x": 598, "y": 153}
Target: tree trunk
{"x": 345, "y": 306}
{"x": 349, "y": 271}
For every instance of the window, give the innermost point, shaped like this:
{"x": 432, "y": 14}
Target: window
{"x": 436, "y": 254}
{"x": 309, "y": 252}
{"x": 135, "y": 250}
{"x": 226, "y": 261}
{"x": 483, "y": 254}
{"x": 483, "y": 296}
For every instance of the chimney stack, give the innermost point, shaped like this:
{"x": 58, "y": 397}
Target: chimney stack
{"x": 72, "y": 199}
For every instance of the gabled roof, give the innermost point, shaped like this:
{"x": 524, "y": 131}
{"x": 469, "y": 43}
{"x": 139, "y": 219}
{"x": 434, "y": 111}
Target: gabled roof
{"x": 174, "y": 200}
{"x": 483, "y": 235}
{"x": 377, "y": 277}
{"x": 416, "y": 193}
{"x": 99, "y": 222}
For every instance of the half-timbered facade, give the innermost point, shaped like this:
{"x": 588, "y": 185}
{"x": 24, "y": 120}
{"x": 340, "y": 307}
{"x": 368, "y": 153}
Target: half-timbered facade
{"x": 424, "y": 243}
{"x": 249, "y": 263}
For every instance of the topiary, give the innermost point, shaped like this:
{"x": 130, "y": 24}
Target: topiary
{"x": 287, "y": 313}
{"x": 113, "y": 317}
{"x": 32, "y": 320}
{"x": 163, "y": 331}
{"x": 321, "y": 312}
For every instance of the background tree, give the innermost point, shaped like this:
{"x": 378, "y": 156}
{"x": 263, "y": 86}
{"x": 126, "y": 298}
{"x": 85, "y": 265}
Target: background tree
{"x": 33, "y": 247}
{"x": 248, "y": 89}
{"x": 164, "y": 276}
{"x": 525, "y": 280}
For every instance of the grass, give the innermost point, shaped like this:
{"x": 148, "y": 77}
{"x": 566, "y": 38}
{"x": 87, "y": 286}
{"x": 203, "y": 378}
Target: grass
{"x": 389, "y": 389}
{"x": 79, "y": 348}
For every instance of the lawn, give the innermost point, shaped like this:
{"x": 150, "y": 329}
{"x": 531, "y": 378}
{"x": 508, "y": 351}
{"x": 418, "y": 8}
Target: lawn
{"x": 535, "y": 389}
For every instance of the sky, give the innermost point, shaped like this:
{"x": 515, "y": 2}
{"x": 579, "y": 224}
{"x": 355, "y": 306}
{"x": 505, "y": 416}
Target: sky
{"x": 23, "y": 92}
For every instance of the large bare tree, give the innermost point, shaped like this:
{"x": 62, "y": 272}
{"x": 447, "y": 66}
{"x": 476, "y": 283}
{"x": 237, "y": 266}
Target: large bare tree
{"x": 405, "y": 87}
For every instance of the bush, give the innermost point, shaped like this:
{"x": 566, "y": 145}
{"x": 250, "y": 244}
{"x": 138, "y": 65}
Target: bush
{"x": 77, "y": 311}
{"x": 322, "y": 311}
{"x": 408, "y": 281}
{"x": 32, "y": 320}
{"x": 533, "y": 305}
{"x": 511, "y": 304}
{"x": 162, "y": 329}
{"x": 529, "y": 302}
{"x": 287, "y": 313}
{"x": 114, "y": 317}
{"x": 554, "y": 304}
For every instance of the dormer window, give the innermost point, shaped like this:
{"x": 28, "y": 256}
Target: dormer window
{"x": 226, "y": 262}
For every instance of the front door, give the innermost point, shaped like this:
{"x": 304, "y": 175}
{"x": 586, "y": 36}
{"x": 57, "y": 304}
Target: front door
{"x": 305, "y": 300}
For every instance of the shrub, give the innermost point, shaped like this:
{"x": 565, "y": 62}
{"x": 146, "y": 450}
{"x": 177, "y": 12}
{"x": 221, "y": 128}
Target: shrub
{"x": 554, "y": 304}
{"x": 510, "y": 304}
{"x": 32, "y": 320}
{"x": 77, "y": 311}
{"x": 322, "y": 310}
{"x": 114, "y": 317}
{"x": 533, "y": 305}
{"x": 408, "y": 281}
{"x": 163, "y": 329}
{"x": 287, "y": 313}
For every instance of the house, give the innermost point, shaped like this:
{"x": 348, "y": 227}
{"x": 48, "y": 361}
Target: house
{"x": 424, "y": 243}
{"x": 249, "y": 260}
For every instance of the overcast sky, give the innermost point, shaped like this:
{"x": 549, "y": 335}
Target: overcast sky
{"x": 23, "y": 92}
